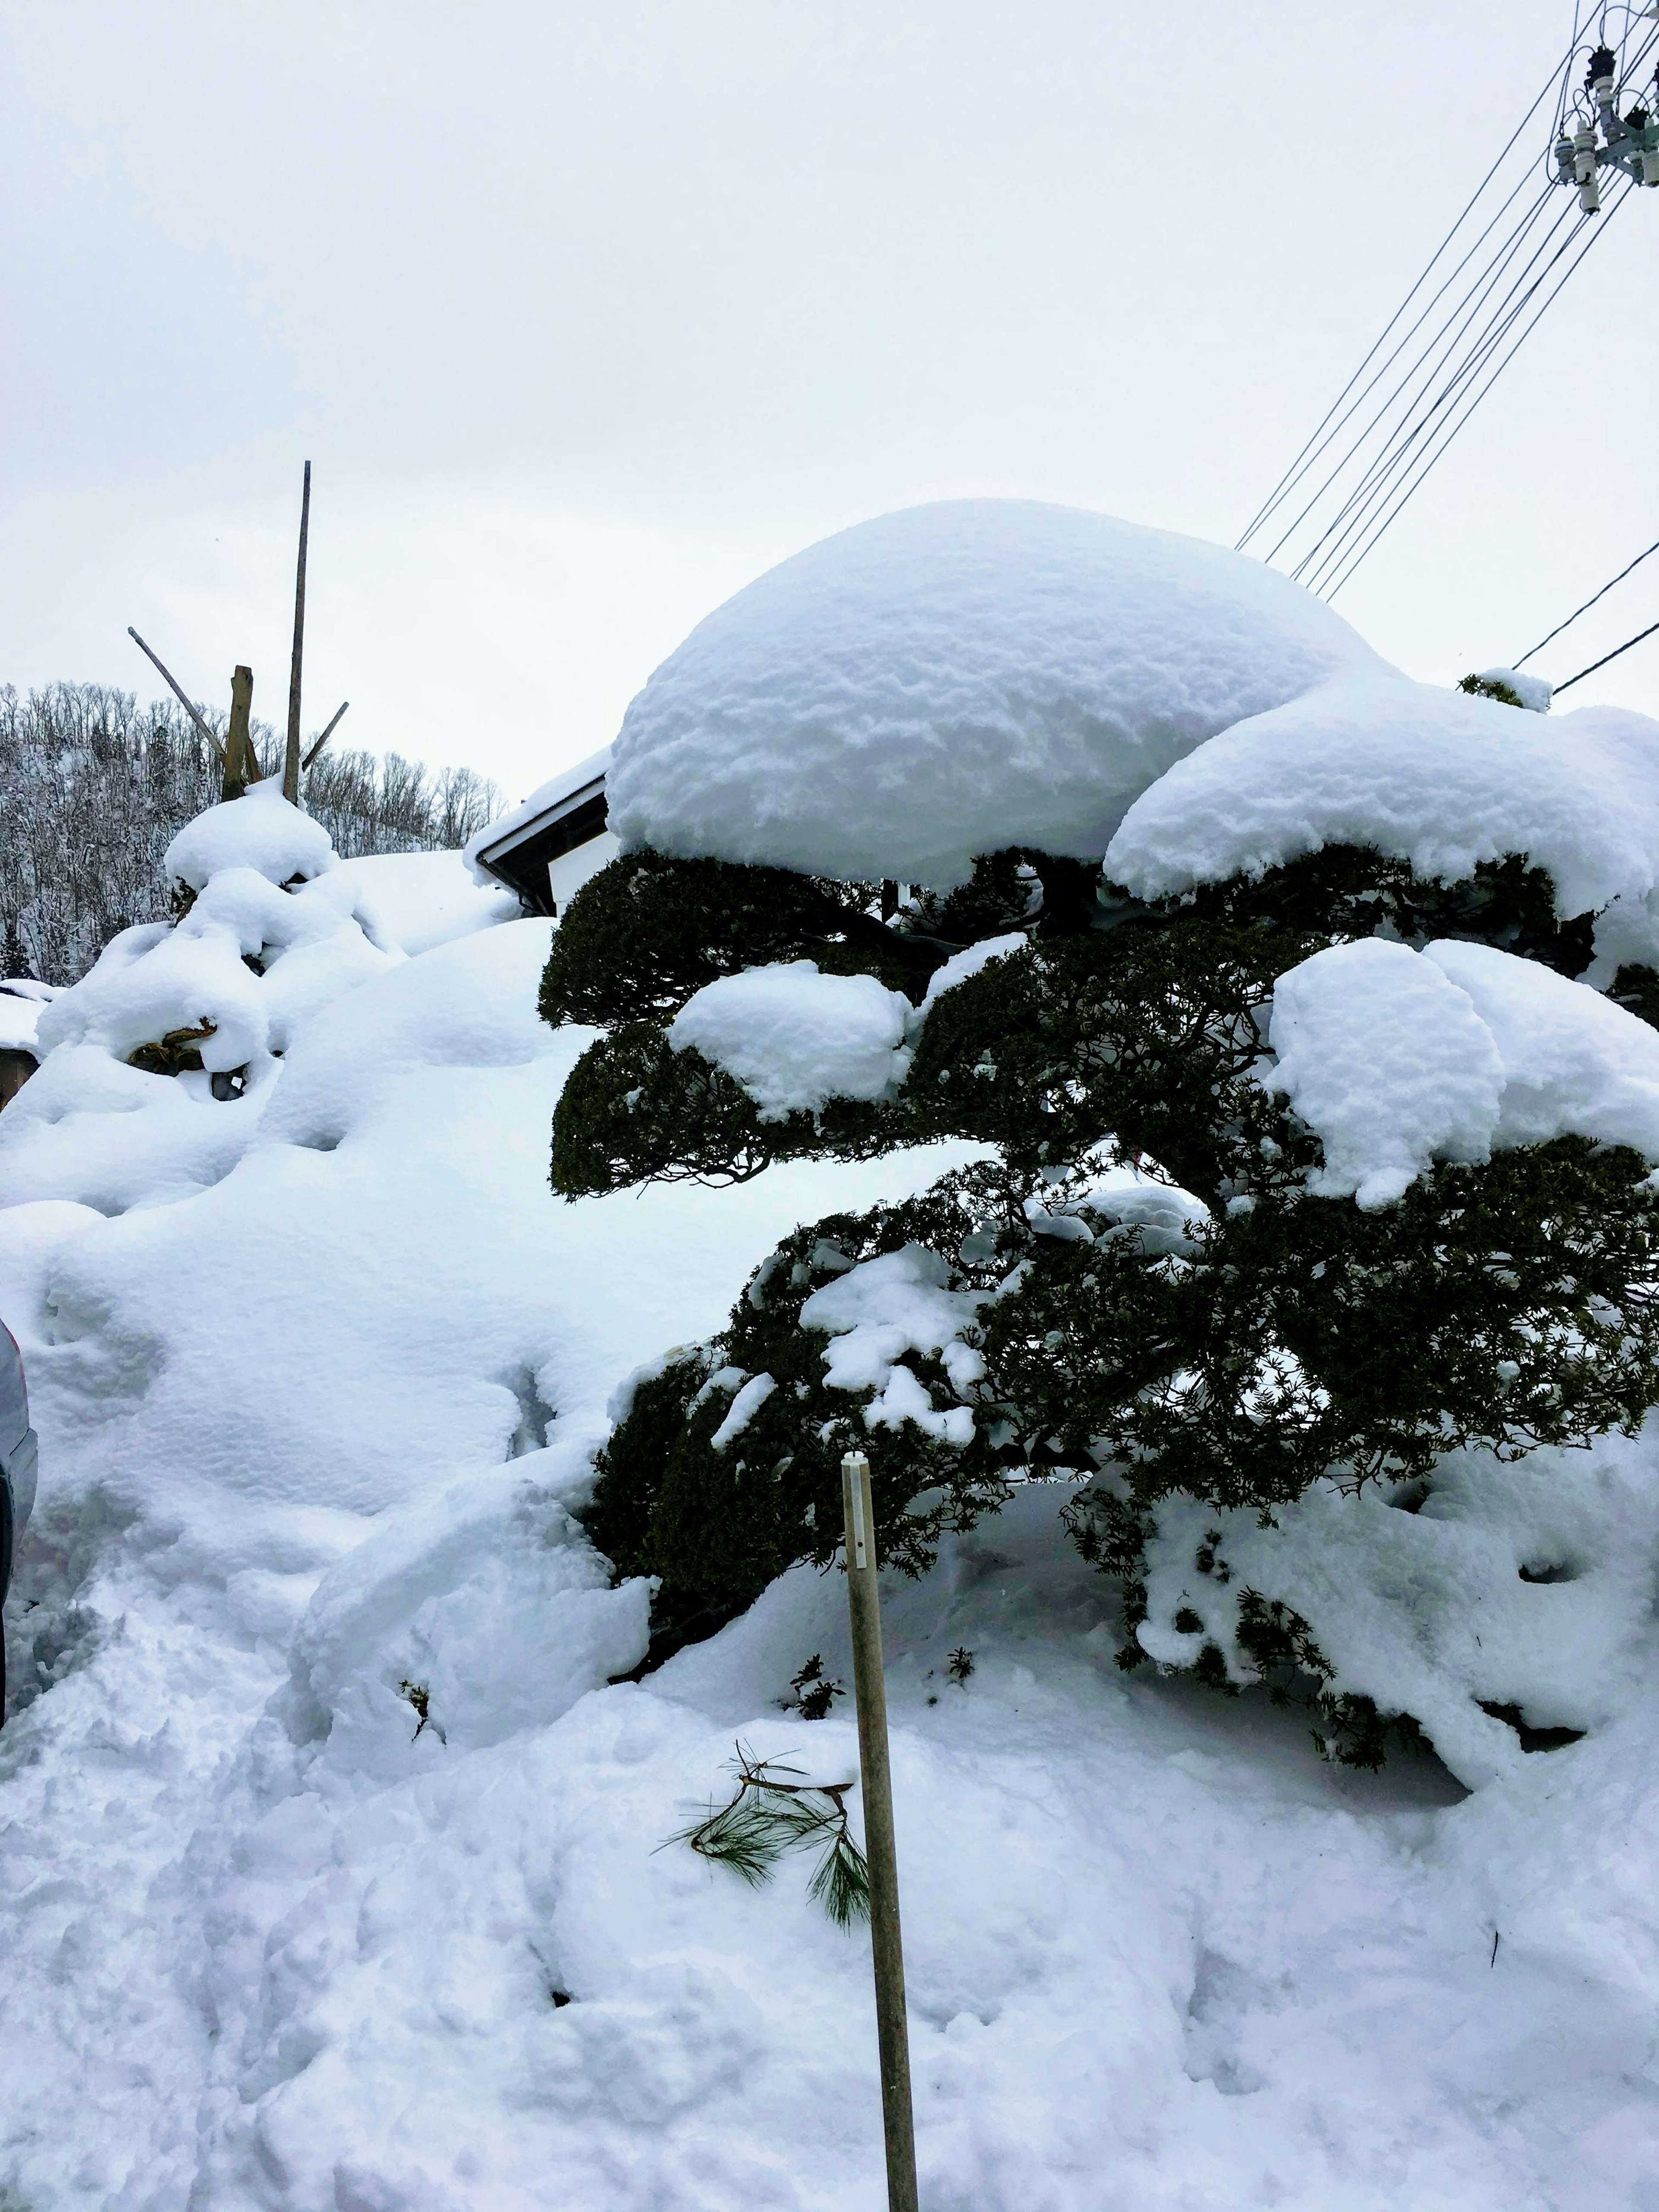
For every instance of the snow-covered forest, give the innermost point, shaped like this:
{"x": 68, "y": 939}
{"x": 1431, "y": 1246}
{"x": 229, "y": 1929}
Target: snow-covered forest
{"x": 1071, "y": 1019}
{"x": 94, "y": 788}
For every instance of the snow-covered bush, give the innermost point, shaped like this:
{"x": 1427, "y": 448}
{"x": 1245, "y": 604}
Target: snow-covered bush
{"x": 1312, "y": 1174}
{"x": 174, "y": 1017}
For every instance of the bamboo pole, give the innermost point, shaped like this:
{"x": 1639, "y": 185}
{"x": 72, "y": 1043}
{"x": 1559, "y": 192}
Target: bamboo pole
{"x": 892, "y": 2034}
{"x": 326, "y": 735}
{"x": 291, "y": 757}
{"x": 238, "y": 743}
{"x": 211, "y": 736}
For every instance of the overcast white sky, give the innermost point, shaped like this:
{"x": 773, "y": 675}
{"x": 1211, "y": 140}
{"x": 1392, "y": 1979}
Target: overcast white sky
{"x": 588, "y": 313}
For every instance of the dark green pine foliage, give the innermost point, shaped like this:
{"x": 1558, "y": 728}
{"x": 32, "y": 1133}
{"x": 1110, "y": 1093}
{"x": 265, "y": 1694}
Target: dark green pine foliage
{"x": 1238, "y": 1356}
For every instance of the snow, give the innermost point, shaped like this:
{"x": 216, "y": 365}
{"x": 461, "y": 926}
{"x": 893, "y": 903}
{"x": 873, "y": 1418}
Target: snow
{"x": 1383, "y": 1055}
{"x": 1396, "y": 1059}
{"x": 1430, "y": 1606}
{"x": 954, "y": 679}
{"x": 969, "y": 962}
{"x": 417, "y": 900}
{"x": 1574, "y": 1063}
{"x": 259, "y": 830}
{"x": 318, "y": 1373}
{"x": 795, "y": 1039}
{"x": 22, "y": 1001}
{"x": 1533, "y": 693}
{"x": 876, "y": 1312}
{"x": 1438, "y": 778}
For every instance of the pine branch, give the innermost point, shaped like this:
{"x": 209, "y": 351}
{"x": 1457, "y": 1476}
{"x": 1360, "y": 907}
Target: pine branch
{"x": 767, "y": 1816}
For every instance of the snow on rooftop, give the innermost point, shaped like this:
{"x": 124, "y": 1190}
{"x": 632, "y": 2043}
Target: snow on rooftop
{"x": 953, "y": 679}
{"x": 1431, "y": 776}
{"x": 546, "y": 796}
{"x": 23, "y": 1002}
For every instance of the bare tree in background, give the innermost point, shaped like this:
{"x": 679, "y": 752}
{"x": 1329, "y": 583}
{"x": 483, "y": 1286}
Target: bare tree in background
{"x": 94, "y": 788}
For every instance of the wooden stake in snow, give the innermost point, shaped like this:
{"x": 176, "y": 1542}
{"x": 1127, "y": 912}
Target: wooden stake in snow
{"x": 241, "y": 768}
{"x": 291, "y": 757}
{"x": 892, "y": 2034}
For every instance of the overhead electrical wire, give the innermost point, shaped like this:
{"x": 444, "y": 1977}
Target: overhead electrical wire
{"x": 1584, "y": 610}
{"x": 1331, "y": 578}
{"x": 1451, "y": 345}
{"x": 1559, "y": 688}
{"x": 1394, "y": 420}
{"x": 1553, "y": 81}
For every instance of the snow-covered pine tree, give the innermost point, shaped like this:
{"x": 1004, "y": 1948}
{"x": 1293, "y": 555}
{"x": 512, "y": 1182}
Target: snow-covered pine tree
{"x": 1217, "y": 1331}
{"x": 1300, "y": 1224}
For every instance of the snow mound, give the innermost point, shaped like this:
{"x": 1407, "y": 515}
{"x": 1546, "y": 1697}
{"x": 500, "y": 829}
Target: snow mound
{"x": 1396, "y": 1059}
{"x": 954, "y": 679}
{"x": 232, "y": 983}
{"x": 259, "y": 830}
{"x": 417, "y": 900}
{"x": 795, "y": 1039}
{"x": 1438, "y": 778}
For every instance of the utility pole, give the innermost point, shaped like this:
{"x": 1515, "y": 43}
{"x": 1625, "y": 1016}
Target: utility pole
{"x": 869, "y": 1684}
{"x": 291, "y": 757}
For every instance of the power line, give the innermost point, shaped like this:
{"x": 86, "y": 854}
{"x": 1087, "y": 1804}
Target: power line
{"x": 1334, "y": 580}
{"x": 1441, "y": 365}
{"x": 1554, "y": 79}
{"x": 1557, "y": 690}
{"x": 1406, "y": 432}
{"x": 1584, "y": 610}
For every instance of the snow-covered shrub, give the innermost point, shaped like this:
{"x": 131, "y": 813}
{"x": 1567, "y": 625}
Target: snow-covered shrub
{"x": 200, "y": 1013}
{"x": 1313, "y": 1172}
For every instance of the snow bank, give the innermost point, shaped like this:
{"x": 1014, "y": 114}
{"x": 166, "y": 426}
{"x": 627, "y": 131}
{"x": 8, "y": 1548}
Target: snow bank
{"x": 259, "y": 830}
{"x": 1396, "y": 1059}
{"x": 954, "y": 679}
{"x": 417, "y": 900}
{"x": 795, "y": 1039}
{"x": 1438, "y": 778}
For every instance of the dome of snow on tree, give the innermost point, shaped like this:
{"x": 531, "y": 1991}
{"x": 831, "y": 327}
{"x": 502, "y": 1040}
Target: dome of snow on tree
{"x": 1302, "y": 1181}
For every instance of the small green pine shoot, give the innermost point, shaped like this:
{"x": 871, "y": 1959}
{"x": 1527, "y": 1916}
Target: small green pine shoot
{"x": 768, "y": 1814}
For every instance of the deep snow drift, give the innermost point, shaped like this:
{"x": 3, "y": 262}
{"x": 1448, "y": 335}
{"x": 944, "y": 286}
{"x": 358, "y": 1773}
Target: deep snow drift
{"x": 319, "y": 1370}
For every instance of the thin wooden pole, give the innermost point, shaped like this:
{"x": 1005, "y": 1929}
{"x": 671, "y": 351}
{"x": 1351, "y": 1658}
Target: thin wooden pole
{"x": 326, "y": 735}
{"x": 291, "y": 757}
{"x": 238, "y": 743}
{"x": 211, "y": 735}
{"x": 869, "y": 1683}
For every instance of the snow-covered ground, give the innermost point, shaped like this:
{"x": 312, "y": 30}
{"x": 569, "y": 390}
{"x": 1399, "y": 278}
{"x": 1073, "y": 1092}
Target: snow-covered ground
{"x": 319, "y": 1369}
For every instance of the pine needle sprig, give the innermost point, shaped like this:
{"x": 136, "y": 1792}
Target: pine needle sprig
{"x": 841, "y": 1881}
{"x": 768, "y": 1814}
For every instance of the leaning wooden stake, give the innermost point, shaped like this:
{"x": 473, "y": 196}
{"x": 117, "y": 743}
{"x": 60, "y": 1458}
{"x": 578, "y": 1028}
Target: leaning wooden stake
{"x": 892, "y": 2034}
{"x": 326, "y": 735}
{"x": 291, "y": 757}
{"x": 240, "y": 767}
{"x": 177, "y": 689}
